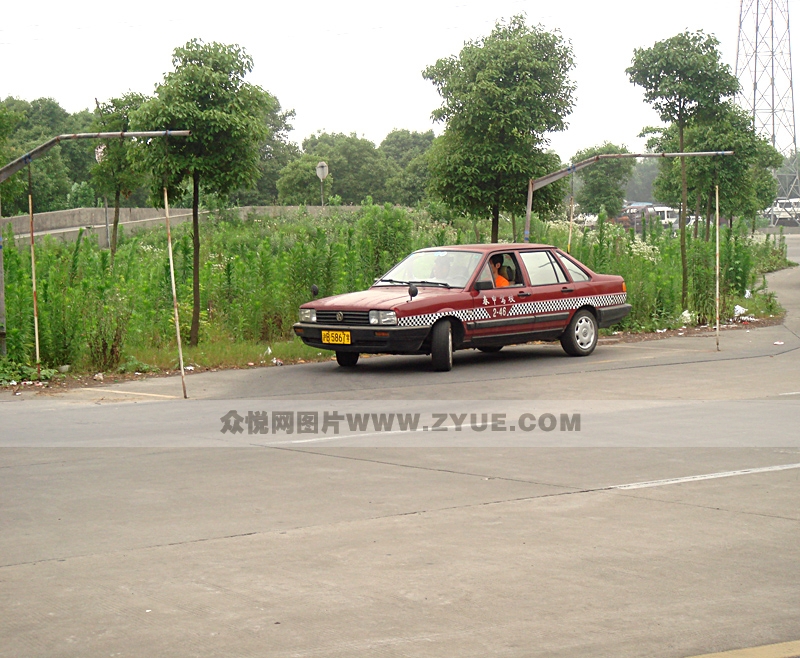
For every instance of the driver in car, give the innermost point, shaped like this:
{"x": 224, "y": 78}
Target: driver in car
{"x": 441, "y": 268}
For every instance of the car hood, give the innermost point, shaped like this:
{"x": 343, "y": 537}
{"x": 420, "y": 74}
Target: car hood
{"x": 380, "y": 297}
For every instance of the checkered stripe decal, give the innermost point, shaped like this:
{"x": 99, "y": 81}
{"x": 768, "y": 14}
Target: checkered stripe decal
{"x": 566, "y": 304}
{"x": 427, "y": 320}
{"x": 524, "y": 308}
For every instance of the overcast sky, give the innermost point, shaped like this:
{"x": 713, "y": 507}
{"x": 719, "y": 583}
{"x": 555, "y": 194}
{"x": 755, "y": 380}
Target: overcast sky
{"x": 345, "y": 66}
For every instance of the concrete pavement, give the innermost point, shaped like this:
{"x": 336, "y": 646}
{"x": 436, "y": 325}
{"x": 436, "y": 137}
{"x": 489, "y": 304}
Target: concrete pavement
{"x": 322, "y": 550}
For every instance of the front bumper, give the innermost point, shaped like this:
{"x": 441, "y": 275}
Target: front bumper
{"x": 367, "y": 340}
{"x": 610, "y": 315}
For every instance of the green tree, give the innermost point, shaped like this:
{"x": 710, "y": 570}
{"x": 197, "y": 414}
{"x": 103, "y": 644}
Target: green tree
{"x": 116, "y": 174}
{"x": 603, "y": 183}
{"x": 683, "y": 79}
{"x": 299, "y": 185}
{"x": 359, "y": 169}
{"x": 500, "y": 96}
{"x": 34, "y": 123}
{"x": 81, "y": 195}
{"x": 402, "y": 146}
{"x": 747, "y": 185}
{"x": 275, "y": 153}
{"x": 207, "y": 94}
{"x": 8, "y": 122}
{"x": 408, "y": 152}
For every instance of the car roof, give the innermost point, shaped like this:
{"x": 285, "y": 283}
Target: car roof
{"x": 484, "y": 248}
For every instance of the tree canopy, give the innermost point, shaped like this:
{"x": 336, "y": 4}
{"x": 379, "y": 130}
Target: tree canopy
{"x": 28, "y": 124}
{"x": 747, "y": 185}
{"x": 500, "y": 96}
{"x": 358, "y": 168}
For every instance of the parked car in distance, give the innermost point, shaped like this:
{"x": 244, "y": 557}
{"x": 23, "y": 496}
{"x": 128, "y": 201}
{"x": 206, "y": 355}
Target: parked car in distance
{"x": 481, "y": 296}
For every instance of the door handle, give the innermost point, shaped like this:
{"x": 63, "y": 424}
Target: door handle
{"x": 524, "y": 294}
{"x": 566, "y": 290}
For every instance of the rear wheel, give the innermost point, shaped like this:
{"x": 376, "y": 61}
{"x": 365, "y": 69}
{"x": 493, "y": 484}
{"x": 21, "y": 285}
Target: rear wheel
{"x": 442, "y": 346}
{"x": 580, "y": 338}
{"x": 491, "y": 349}
{"x": 347, "y": 359}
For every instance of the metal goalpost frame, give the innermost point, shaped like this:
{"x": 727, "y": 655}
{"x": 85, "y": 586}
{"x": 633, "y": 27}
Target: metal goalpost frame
{"x": 538, "y": 183}
{"x": 23, "y": 161}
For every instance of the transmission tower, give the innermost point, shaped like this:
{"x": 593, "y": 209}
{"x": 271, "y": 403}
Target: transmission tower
{"x": 764, "y": 69}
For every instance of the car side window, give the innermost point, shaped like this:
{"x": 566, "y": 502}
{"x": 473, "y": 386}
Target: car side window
{"x": 542, "y": 269}
{"x": 575, "y": 272}
{"x": 510, "y": 270}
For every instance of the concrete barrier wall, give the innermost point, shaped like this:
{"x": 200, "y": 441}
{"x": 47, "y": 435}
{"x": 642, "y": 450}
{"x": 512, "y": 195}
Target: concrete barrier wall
{"x": 83, "y": 217}
{"x": 66, "y": 224}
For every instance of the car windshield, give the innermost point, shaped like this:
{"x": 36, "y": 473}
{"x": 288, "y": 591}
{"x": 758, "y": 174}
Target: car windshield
{"x": 444, "y": 268}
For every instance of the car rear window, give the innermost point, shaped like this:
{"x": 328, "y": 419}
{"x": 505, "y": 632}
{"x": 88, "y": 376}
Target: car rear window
{"x": 542, "y": 269}
{"x": 575, "y": 272}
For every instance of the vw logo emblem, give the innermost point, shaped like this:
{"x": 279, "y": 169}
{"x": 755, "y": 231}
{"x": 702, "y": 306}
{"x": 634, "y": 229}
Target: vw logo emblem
{"x": 339, "y": 316}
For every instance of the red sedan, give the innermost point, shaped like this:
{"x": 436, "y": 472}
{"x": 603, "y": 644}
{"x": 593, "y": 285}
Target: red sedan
{"x": 480, "y": 296}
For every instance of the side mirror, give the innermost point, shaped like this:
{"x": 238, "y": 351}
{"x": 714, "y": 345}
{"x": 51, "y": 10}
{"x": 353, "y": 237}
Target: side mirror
{"x": 413, "y": 291}
{"x": 314, "y": 290}
{"x": 483, "y": 285}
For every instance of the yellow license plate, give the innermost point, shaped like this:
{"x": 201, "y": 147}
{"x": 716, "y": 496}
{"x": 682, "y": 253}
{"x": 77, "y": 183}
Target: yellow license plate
{"x": 336, "y": 337}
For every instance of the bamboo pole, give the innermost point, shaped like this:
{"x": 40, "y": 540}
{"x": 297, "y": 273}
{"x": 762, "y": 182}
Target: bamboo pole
{"x": 571, "y": 215}
{"x": 716, "y": 269}
{"x": 174, "y": 294}
{"x": 527, "y": 236}
{"x": 33, "y": 275}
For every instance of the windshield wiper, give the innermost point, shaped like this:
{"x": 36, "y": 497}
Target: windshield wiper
{"x": 391, "y": 281}
{"x": 432, "y": 283}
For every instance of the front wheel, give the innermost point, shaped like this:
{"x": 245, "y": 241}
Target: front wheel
{"x": 347, "y": 359}
{"x": 442, "y": 346}
{"x": 580, "y": 338}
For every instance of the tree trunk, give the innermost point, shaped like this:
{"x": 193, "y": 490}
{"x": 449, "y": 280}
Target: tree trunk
{"x": 708, "y": 218}
{"x": 495, "y": 222}
{"x": 682, "y": 224}
{"x": 114, "y": 229}
{"x": 194, "y": 335}
{"x": 697, "y": 214}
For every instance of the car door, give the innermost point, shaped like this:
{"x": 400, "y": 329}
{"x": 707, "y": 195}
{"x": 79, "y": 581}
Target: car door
{"x": 549, "y": 288}
{"x": 583, "y": 290}
{"x": 500, "y": 315}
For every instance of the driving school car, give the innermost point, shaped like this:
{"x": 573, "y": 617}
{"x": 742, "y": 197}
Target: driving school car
{"x": 443, "y": 299}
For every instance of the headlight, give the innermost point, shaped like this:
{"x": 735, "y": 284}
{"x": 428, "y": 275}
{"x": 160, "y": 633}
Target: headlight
{"x": 382, "y": 317}
{"x": 308, "y": 315}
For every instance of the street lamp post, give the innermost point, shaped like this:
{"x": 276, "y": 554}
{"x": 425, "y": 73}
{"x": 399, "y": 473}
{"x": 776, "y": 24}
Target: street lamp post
{"x": 322, "y": 174}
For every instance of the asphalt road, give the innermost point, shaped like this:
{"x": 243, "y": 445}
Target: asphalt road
{"x": 667, "y": 525}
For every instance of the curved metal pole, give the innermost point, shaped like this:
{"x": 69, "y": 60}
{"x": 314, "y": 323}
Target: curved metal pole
{"x": 539, "y": 183}
{"x": 13, "y": 167}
